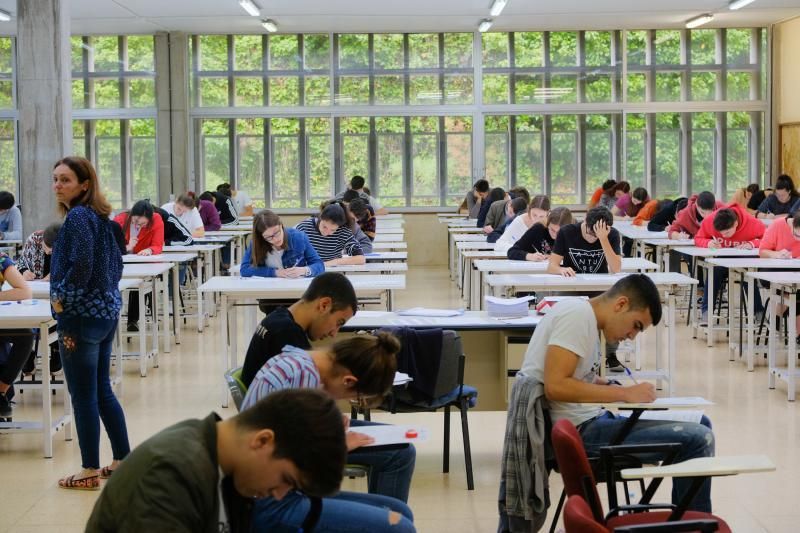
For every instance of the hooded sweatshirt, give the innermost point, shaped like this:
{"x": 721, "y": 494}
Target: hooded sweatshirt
{"x": 646, "y": 213}
{"x": 749, "y": 229}
{"x": 686, "y": 219}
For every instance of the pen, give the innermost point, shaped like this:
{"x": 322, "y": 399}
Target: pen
{"x": 630, "y": 374}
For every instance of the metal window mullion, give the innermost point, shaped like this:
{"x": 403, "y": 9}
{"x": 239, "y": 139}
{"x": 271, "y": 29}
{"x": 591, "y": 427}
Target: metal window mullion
{"x": 406, "y": 75}
{"x": 303, "y": 163}
{"x": 229, "y": 75}
{"x": 616, "y": 146}
{"x": 722, "y": 90}
{"x": 268, "y": 166}
{"x": 547, "y": 142}
{"x": 755, "y": 58}
{"x": 372, "y": 151}
{"x": 333, "y": 54}
{"x": 371, "y": 63}
{"x": 265, "y": 69}
{"x": 232, "y": 151}
{"x": 301, "y": 78}
{"x": 685, "y": 77}
{"x": 511, "y": 176}
{"x": 408, "y": 163}
{"x": 755, "y": 141}
{"x": 194, "y": 68}
{"x": 650, "y": 75}
{"x": 338, "y": 162}
{"x": 443, "y": 98}
{"x": 124, "y": 84}
{"x": 582, "y": 64}
{"x": 686, "y": 154}
{"x": 442, "y": 166}
{"x": 650, "y": 153}
{"x": 580, "y": 149}
{"x": 126, "y": 188}
{"x": 478, "y": 125}
{"x": 721, "y": 164}
{"x": 512, "y": 61}
{"x": 88, "y": 60}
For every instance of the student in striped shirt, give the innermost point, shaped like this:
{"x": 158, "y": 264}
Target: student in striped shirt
{"x": 331, "y": 238}
{"x": 358, "y": 368}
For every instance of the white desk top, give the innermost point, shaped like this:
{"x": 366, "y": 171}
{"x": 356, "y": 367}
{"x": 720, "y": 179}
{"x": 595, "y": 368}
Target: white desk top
{"x": 461, "y": 222}
{"x": 669, "y": 243}
{"x": 192, "y": 248}
{"x": 755, "y": 262}
{"x": 777, "y": 278}
{"x": 390, "y": 216}
{"x": 367, "y": 267}
{"x": 232, "y": 231}
{"x": 160, "y": 258}
{"x": 705, "y": 466}
{"x": 28, "y": 314}
{"x": 469, "y": 237}
{"x": 6, "y": 242}
{"x": 259, "y": 287}
{"x": 696, "y": 251}
{"x": 214, "y": 238}
{"x": 41, "y": 289}
{"x": 389, "y": 230}
{"x": 464, "y": 230}
{"x": 387, "y": 256}
{"x": 451, "y": 214}
{"x": 582, "y": 281}
{"x": 145, "y": 270}
{"x": 469, "y": 320}
{"x": 629, "y": 264}
{"x": 639, "y": 232}
{"x": 483, "y": 254}
{"x": 476, "y": 245}
{"x": 691, "y": 402}
{"x": 389, "y": 245}
{"x": 389, "y": 237}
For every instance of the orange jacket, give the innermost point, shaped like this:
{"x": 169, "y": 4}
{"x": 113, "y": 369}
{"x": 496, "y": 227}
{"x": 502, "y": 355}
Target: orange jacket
{"x": 646, "y": 213}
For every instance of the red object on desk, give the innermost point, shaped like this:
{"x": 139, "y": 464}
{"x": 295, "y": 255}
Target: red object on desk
{"x": 412, "y": 434}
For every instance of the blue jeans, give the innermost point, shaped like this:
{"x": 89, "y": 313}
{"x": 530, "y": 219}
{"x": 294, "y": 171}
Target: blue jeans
{"x": 85, "y": 346}
{"x": 696, "y": 440}
{"x": 390, "y": 470}
{"x": 347, "y": 512}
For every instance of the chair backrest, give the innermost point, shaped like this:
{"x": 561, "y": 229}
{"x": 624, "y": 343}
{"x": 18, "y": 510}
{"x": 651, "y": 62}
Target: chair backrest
{"x": 236, "y": 386}
{"x": 574, "y": 465}
{"x": 451, "y": 371}
{"x": 578, "y": 517}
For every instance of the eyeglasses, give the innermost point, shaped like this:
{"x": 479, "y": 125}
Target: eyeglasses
{"x": 273, "y": 235}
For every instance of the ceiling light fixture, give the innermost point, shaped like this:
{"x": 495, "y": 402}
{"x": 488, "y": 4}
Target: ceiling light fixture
{"x": 5, "y": 16}
{"x": 497, "y": 7}
{"x": 270, "y": 25}
{"x": 252, "y": 9}
{"x": 699, "y": 20}
{"x": 484, "y": 26}
{"x": 738, "y": 4}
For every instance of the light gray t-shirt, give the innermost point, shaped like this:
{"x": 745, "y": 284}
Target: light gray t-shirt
{"x": 570, "y": 324}
{"x": 275, "y": 259}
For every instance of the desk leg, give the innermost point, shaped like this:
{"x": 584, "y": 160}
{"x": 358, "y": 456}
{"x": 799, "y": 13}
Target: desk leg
{"x": 791, "y": 354}
{"x": 751, "y": 323}
{"x": 200, "y": 278}
{"x": 390, "y": 300}
{"x": 732, "y": 295}
{"x": 710, "y": 313}
{"x": 476, "y": 281}
{"x": 142, "y": 333}
{"x": 233, "y": 318}
{"x": 224, "y": 339}
{"x": 165, "y": 312}
{"x": 176, "y": 303}
{"x": 672, "y": 343}
{"x": 142, "y": 338}
{"x": 47, "y": 394}
{"x": 771, "y": 340}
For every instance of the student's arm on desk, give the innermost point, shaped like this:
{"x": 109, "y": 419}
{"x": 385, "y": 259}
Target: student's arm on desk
{"x": 20, "y": 290}
{"x": 347, "y": 260}
{"x": 559, "y": 385}
{"x": 554, "y": 266}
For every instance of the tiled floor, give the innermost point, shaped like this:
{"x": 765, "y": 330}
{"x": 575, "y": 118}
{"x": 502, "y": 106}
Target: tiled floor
{"x": 747, "y": 417}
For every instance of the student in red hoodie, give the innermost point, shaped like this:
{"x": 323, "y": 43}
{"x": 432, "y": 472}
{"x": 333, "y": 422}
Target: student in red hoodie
{"x": 687, "y": 220}
{"x": 729, "y": 227}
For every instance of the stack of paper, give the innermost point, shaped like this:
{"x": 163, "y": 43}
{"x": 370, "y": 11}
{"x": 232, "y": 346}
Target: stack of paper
{"x": 547, "y": 302}
{"x": 507, "y": 307}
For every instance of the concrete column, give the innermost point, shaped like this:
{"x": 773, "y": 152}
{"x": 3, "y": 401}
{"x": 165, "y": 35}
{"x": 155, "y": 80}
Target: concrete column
{"x": 172, "y": 99}
{"x": 44, "y": 103}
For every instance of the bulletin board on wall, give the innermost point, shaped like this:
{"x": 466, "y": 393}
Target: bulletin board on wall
{"x": 790, "y": 150}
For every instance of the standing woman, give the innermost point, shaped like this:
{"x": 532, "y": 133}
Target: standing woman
{"x": 278, "y": 251}
{"x": 84, "y": 292}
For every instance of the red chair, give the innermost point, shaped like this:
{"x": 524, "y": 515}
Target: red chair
{"x": 578, "y": 519}
{"x": 579, "y": 481}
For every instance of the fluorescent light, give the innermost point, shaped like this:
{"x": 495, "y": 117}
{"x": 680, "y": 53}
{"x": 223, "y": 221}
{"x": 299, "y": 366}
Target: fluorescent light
{"x": 5, "y": 16}
{"x": 738, "y": 4}
{"x": 484, "y": 26}
{"x": 700, "y": 20}
{"x": 270, "y": 25}
{"x": 497, "y": 7}
{"x": 252, "y": 9}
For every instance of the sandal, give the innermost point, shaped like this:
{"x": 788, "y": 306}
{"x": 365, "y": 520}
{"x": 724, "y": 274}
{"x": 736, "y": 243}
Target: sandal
{"x": 106, "y": 472}
{"x": 87, "y": 483}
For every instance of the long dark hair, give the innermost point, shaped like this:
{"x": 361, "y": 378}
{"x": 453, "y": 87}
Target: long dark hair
{"x": 92, "y": 197}
{"x": 142, "y": 208}
{"x": 261, "y": 247}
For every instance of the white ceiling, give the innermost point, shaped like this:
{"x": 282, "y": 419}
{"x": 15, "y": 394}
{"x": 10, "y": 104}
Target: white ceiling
{"x": 297, "y": 16}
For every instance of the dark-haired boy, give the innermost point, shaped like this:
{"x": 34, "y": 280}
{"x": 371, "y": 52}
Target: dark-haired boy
{"x": 203, "y": 475}
{"x": 563, "y": 354}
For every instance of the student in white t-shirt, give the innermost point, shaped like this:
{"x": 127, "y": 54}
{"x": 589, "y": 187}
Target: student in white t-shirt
{"x": 564, "y": 355}
{"x": 184, "y": 208}
{"x": 538, "y": 210}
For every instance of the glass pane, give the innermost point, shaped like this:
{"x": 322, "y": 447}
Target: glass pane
{"x": 703, "y": 152}
{"x": 316, "y": 49}
{"x": 458, "y": 89}
{"x": 739, "y": 85}
{"x": 106, "y": 93}
{"x": 564, "y": 160}
{"x": 109, "y": 166}
{"x": 459, "y": 158}
{"x": 214, "y": 92}
{"x": 144, "y": 159}
{"x": 563, "y": 49}
{"x": 737, "y": 46}
{"x": 637, "y": 47}
{"x": 78, "y": 137}
{"x": 320, "y": 166}
{"x": 141, "y": 53}
{"x": 528, "y": 49}
{"x": 666, "y": 182}
{"x": 598, "y": 48}
{"x": 668, "y": 47}
{"x": 388, "y": 50}
{"x": 495, "y": 49}
{"x": 423, "y": 50}
{"x": 354, "y": 134}
{"x": 76, "y": 53}
{"x": 6, "y": 95}
{"x": 390, "y": 167}
{"x": 353, "y": 51}
{"x": 457, "y": 50}
{"x": 78, "y": 95}
{"x": 497, "y": 149}
{"x": 424, "y": 90}
{"x": 247, "y": 52}
{"x": 318, "y": 90}
{"x": 528, "y": 88}
{"x": 142, "y": 92}
{"x": 637, "y": 87}
{"x": 563, "y": 89}
{"x": 284, "y": 90}
{"x": 105, "y": 51}
{"x": 668, "y": 86}
{"x": 213, "y": 52}
{"x": 598, "y": 152}
{"x": 495, "y": 89}
{"x": 635, "y": 144}
{"x": 353, "y": 90}
{"x": 284, "y": 52}
{"x": 598, "y": 88}
{"x": 737, "y": 155}
{"x": 389, "y": 90}
{"x": 250, "y": 151}
{"x": 704, "y": 47}
{"x": 285, "y": 171}
{"x": 249, "y": 92}
{"x": 704, "y": 86}
{"x": 215, "y": 156}
{"x": 8, "y": 161}
{"x": 425, "y": 163}
{"x": 529, "y": 152}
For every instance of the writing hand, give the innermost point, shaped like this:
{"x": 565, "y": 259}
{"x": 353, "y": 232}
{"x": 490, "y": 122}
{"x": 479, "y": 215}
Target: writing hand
{"x": 641, "y": 393}
{"x": 567, "y": 272}
{"x": 28, "y": 275}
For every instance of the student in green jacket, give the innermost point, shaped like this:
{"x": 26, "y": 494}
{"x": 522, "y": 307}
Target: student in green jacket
{"x": 203, "y": 475}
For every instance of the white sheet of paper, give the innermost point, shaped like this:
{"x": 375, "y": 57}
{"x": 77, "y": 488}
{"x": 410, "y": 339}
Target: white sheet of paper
{"x": 675, "y": 415}
{"x": 508, "y": 301}
{"x": 529, "y": 320}
{"x": 426, "y": 311}
{"x": 401, "y": 378}
{"x": 391, "y": 434}
{"x": 681, "y": 400}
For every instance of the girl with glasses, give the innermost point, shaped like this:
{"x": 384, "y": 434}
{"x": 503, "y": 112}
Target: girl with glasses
{"x": 277, "y": 251}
